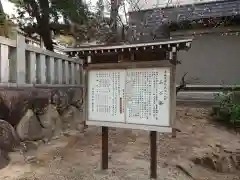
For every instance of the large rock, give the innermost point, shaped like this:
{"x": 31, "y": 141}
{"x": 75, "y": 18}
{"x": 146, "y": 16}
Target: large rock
{"x": 70, "y": 114}
{"x": 71, "y": 117}
{"x": 49, "y": 118}
{"x": 190, "y": 169}
{"x": 8, "y": 136}
{"x": 13, "y": 105}
{"x": 51, "y": 122}
{"x": 38, "y": 104}
{"x": 76, "y": 97}
{"x": 219, "y": 158}
{"x": 29, "y": 128}
{"x": 60, "y": 99}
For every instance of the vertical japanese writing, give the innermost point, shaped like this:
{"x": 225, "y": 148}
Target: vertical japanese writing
{"x": 165, "y": 85}
{"x": 107, "y": 95}
{"x": 93, "y": 99}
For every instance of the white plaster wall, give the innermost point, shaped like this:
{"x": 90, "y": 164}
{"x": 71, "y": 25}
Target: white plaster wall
{"x": 212, "y": 59}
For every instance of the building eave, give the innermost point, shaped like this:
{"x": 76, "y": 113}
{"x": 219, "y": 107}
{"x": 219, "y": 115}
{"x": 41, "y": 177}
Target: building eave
{"x": 179, "y": 44}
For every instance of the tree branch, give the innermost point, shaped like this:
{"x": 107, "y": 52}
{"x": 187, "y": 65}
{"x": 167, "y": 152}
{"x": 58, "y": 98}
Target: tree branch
{"x": 182, "y": 85}
{"x": 32, "y": 9}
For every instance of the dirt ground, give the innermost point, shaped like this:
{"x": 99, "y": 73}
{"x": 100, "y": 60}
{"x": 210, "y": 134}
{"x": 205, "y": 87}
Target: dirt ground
{"x": 78, "y": 155}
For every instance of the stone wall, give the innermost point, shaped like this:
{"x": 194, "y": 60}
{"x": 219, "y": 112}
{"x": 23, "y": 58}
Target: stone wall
{"x": 32, "y": 114}
{"x": 14, "y": 102}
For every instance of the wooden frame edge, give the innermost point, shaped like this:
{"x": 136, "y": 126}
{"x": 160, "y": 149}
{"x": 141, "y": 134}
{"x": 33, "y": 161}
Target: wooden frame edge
{"x": 133, "y": 65}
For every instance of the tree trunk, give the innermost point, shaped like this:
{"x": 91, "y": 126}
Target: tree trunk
{"x": 44, "y": 25}
{"x": 47, "y": 40}
{"x": 113, "y": 15}
{"x": 45, "y": 33}
{"x": 1, "y": 10}
{"x": 113, "y": 19}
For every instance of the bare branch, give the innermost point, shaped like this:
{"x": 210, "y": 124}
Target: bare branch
{"x": 182, "y": 85}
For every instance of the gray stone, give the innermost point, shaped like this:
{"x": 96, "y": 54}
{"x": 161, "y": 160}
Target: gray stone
{"x": 29, "y": 128}
{"x": 190, "y": 169}
{"x": 76, "y": 98}
{"x": 226, "y": 165}
{"x": 49, "y": 118}
{"x": 48, "y": 134}
{"x": 58, "y": 127}
{"x": 72, "y": 117}
{"x": 60, "y": 100}
{"x": 13, "y": 105}
{"x": 218, "y": 158}
{"x": 8, "y": 137}
{"x": 69, "y": 114}
{"x": 51, "y": 121}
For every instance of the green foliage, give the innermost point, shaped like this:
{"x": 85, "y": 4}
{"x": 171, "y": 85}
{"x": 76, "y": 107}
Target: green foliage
{"x": 224, "y": 98}
{"x": 228, "y": 109}
{"x": 46, "y": 16}
{"x": 71, "y": 10}
{"x": 5, "y": 23}
{"x": 235, "y": 114}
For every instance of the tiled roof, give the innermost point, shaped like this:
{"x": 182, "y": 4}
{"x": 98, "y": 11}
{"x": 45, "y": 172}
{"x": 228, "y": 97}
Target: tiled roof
{"x": 191, "y": 12}
{"x": 146, "y": 24}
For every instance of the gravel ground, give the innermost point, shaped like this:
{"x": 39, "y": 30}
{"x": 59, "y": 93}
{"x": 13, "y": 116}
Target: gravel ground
{"x": 78, "y": 155}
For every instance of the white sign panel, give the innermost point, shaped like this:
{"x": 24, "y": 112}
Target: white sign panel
{"x": 129, "y": 97}
{"x": 105, "y": 95}
{"x": 147, "y": 96}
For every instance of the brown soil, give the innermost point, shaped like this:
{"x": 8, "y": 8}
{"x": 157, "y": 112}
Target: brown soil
{"x": 78, "y": 156}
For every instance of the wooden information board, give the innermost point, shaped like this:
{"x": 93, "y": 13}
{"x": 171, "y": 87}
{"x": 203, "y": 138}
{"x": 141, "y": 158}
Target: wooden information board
{"x": 135, "y": 98}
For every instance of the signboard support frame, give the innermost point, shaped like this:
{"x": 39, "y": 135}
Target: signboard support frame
{"x": 129, "y": 56}
{"x": 173, "y": 60}
{"x": 152, "y": 132}
{"x": 153, "y": 151}
{"x": 104, "y": 147}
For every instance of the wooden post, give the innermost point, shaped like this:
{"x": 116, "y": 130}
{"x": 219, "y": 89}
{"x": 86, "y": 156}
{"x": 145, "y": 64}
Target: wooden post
{"x": 153, "y": 151}
{"x": 173, "y": 58}
{"x": 104, "y": 148}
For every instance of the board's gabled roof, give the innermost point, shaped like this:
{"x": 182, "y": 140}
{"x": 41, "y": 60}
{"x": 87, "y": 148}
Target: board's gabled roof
{"x": 180, "y": 43}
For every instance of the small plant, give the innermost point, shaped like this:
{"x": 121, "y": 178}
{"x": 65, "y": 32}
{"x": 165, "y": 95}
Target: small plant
{"x": 235, "y": 114}
{"x": 228, "y": 108}
{"x": 223, "y": 98}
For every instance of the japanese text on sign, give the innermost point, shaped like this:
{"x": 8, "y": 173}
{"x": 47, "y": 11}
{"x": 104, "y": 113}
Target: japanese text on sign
{"x": 132, "y": 96}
